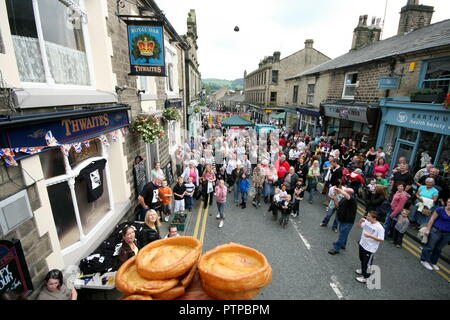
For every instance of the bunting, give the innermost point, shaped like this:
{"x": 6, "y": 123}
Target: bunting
{"x": 8, "y": 154}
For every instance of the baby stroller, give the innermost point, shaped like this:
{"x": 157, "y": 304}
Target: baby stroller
{"x": 286, "y": 209}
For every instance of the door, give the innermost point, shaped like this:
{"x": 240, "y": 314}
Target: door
{"x": 402, "y": 149}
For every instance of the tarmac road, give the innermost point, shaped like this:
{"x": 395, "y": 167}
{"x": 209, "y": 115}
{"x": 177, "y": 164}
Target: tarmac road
{"x": 302, "y": 267}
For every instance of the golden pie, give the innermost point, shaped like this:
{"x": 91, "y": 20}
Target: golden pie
{"x": 235, "y": 268}
{"x": 168, "y": 258}
{"x": 137, "y": 297}
{"x": 170, "y": 294}
{"x": 129, "y": 281}
{"x": 227, "y": 295}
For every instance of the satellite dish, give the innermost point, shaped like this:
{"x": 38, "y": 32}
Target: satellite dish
{"x": 236, "y": 28}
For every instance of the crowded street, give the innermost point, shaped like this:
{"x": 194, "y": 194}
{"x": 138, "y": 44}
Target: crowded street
{"x": 307, "y": 159}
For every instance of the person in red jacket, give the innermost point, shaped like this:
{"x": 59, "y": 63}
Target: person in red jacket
{"x": 282, "y": 162}
{"x": 355, "y": 180}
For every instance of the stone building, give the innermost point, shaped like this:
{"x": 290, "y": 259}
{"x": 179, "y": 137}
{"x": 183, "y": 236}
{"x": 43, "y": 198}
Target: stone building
{"x": 365, "y": 93}
{"x": 71, "y": 77}
{"x": 265, "y": 88}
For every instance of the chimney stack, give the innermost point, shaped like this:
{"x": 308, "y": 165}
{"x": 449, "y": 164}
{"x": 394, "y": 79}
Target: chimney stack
{"x": 363, "y": 34}
{"x": 309, "y": 43}
{"x": 414, "y": 16}
{"x": 276, "y": 56}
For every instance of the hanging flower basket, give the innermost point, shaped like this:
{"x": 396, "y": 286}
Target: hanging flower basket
{"x": 149, "y": 127}
{"x": 197, "y": 109}
{"x": 171, "y": 114}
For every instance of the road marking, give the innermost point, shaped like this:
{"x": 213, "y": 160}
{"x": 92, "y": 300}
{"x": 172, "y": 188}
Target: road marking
{"x": 308, "y": 246}
{"x": 197, "y": 223}
{"x": 335, "y": 285}
{"x": 205, "y": 217}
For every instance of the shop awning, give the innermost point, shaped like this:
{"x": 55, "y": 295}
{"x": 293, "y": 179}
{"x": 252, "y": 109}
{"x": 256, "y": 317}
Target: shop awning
{"x": 280, "y": 116}
{"x": 309, "y": 112}
{"x": 237, "y": 121}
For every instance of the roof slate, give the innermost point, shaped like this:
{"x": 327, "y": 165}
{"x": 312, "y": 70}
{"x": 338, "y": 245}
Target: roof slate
{"x": 433, "y": 35}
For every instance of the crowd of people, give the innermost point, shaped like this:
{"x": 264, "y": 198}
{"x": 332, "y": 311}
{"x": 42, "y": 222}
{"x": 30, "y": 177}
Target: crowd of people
{"x": 281, "y": 168}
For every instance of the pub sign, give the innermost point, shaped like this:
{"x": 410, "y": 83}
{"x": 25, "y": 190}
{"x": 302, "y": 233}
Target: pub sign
{"x": 146, "y": 48}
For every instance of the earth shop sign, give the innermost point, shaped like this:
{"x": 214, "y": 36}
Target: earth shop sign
{"x": 438, "y": 122}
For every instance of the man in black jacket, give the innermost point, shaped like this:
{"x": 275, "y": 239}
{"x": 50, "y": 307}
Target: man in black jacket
{"x": 148, "y": 198}
{"x": 346, "y": 214}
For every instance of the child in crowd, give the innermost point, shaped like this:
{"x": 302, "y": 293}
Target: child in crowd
{"x": 298, "y": 196}
{"x": 286, "y": 209}
{"x": 165, "y": 194}
{"x": 244, "y": 186}
{"x": 274, "y": 206}
{"x": 189, "y": 197}
{"x": 283, "y": 192}
{"x": 179, "y": 191}
{"x": 400, "y": 228}
{"x": 372, "y": 186}
{"x": 371, "y": 237}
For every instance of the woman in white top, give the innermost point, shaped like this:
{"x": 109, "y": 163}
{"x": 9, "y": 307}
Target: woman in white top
{"x": 157, "y": 172}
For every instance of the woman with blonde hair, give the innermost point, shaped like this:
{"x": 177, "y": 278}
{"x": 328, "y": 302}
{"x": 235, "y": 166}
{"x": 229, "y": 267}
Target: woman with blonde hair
{"x": 313, "y": 178}
{"x": 150, "y": 231}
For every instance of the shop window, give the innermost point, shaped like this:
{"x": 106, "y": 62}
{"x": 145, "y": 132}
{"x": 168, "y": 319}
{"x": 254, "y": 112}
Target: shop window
{"x": 350, "y": 84}
{"x": 91, "y": 212}
{"x": 427, "y": 146}
{"x": 436, "y": 74}
{"x": 310, "y": 93}
{"x": 444, "y": 158}
{"x": 52, "y": 162}
{"x": 389, "y": 142}
{"x": 408, "y": 134}
{"x": 63, "y": 213}
{"x": 94, "y": 150}
{"x": 62, "y": 28}
{"x": 66, "y": 209}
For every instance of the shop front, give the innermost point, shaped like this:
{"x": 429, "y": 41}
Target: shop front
{"x": 418, "y": 131}
{"x": 356, "y": 122}
{"x": 77, "y": 160}
{"x": 309, "y": 121}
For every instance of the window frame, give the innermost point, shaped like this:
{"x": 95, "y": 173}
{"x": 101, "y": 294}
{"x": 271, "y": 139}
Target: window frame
{"x": 355, "y": 85}
{"x": 309, "y": 95}
{"x": 49, "y": 81}
{"x": 69, "y": 177}
{"x": 423, "y": 72}
{"x": 295, "y": 94}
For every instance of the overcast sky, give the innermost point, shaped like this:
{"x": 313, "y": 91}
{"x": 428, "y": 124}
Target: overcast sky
{"x": 278, "y": 25}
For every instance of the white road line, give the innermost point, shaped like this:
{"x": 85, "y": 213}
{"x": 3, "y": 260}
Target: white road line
{"x": 335, "y": 285}
{"x": 308, "y": 246}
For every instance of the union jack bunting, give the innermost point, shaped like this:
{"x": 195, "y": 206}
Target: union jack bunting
{"x": 8, "y": 156}
{"x": 50, "y": 139}
{"x": 104, "y": 140}
{"x": 124, "y": 131}
{"x": 114, "y": 136}
{"x": 77, "y": 147}
{"x": 86, "y": 143}
{"x": 65, "y": 148}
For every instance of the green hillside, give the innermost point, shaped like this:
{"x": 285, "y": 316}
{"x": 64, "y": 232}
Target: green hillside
{"x": 212, "y": 85}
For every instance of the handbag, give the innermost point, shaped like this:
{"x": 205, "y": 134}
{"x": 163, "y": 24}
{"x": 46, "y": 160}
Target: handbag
{"x": 210, "y": 187}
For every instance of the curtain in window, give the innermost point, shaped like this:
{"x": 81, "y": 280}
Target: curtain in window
{"x": 29, "y": 59}
{"x": 67, "y": 66}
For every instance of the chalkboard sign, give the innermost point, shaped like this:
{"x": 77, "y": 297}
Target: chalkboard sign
{"x": 168, "y": 172}
{"x": 14, "y": 275}
{"x": 140, "y": 175}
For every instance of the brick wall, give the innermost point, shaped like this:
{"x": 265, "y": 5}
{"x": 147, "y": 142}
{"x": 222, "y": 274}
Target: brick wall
{"x": 36, "y": 249}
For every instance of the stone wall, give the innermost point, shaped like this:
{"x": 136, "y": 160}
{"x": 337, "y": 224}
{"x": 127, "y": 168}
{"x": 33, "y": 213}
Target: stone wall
{"x": 36, "y": 249}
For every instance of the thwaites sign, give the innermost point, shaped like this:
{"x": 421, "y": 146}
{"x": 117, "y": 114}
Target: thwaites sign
{"x": 146, "y": 48}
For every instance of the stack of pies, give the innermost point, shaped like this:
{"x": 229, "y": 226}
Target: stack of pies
{"x": 234, "y": 272}
{"x": 162, "y": 269}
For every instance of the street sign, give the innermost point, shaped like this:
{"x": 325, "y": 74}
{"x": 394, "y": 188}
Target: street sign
{"x": 388, "y": 83}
